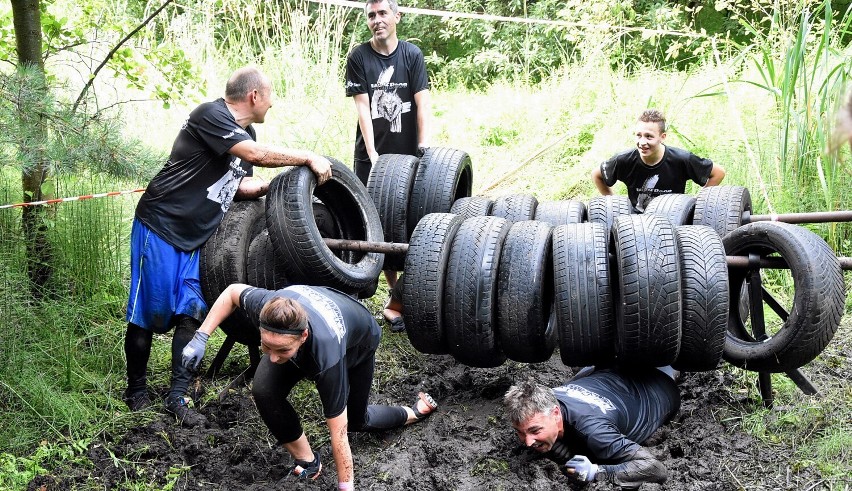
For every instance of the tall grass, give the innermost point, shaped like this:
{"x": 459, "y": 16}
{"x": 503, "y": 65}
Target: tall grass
{"x": 803, "y": 63}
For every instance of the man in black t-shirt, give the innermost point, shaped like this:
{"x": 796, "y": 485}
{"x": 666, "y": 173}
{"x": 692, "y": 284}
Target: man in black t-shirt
{"x": 601, "y": 417}
{"x": 209, "y": 166}
{"x": 652, "y": 168}
{"x": 323, "y": 335}
{"x": 387, "y": 79}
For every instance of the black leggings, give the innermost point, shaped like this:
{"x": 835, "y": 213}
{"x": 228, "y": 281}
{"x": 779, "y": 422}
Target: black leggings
{"x": 273, "y": 383}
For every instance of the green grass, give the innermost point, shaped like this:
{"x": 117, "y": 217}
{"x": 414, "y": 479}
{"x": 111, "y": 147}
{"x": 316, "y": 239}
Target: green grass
{"x": 63, "y": 370}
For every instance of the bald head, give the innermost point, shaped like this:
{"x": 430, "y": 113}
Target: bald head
{"x": 243, "y": 81}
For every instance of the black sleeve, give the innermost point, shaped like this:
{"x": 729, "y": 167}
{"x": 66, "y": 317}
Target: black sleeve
{"x": 356, "y": 75}
{"x": 609, "y": 170}
{"x": 252, "y": 301}
{"x": 698, "y": 169}
{"x": 217, "y": 131}
{"x": 418, "y": 76}
{"x": 642, "y": 467}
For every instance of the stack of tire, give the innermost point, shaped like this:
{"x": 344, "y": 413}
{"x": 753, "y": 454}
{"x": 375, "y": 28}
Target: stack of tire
{"x": 488, "y": 289}
{"x": 278, "y": 241}
{"x": 627, "y": 289}
{"x": 405, "y": 188}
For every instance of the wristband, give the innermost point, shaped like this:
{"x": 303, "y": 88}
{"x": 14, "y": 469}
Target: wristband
{"x": 346, "y": 486}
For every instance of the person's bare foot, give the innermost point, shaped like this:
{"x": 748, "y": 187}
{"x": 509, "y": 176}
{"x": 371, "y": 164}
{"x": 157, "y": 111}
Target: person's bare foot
{"x": 424, "y": 407}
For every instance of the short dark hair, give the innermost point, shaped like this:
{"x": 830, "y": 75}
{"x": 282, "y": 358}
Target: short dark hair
{"x": 284, "y": 316}
{"x": 391, "y": 3}
{"x": 243, "y": 81}
{"x": 654, "y": 116}
{"x": 527, "y": 398}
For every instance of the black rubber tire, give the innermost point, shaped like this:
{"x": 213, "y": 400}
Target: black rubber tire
{"x": 678, "y": 208}
{"x": 605, "y": 209}
{"x": 525, "y": 293}
{"x": 389, "y": 186}
{"x": 722, "y": 208}
{"x": 704, "y": 294}
{"x": 470, "y": 292}
{"x": 223, "y": 261}
{"x": 298, "y": 241}
{"x": 515, "y": 207}
{"x": 818, "y": 298}
{"x": 472, "y": 206}
{"x": 443, "y": 176}
{"x": 646, "y": 290}
{"x": 263, "y": 267}
{"x": 561, "y": 212}
{"x": 585, "y": 317}
{"x": 423, "y": 281}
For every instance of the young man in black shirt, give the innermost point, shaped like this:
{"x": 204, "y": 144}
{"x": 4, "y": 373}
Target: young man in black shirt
{"x": 209, "y": 166}
{"x": 652, "y": 168}
{"x": 593, "y": 426}
{"x": 326, "y": 336}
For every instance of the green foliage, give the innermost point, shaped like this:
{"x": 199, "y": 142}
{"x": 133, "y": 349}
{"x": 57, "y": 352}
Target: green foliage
{"x": 17, "y": 472}
{"x": 801, "y": 64}
{"x": 85, "y": 33}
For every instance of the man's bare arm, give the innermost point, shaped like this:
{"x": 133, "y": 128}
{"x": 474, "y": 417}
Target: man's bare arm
{"x": 263, "y": 155}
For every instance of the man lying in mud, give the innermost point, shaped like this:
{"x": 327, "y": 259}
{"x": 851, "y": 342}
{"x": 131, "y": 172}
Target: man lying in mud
{"x": 593, "y": 426}
{"x": 323, "y": 335}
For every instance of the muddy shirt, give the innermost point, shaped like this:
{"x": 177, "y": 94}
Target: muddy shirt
{"x": 644, "y": 182}
{"x": 606, "y": 415}
{"x": 391, "y": 82}
{"x": 187, "y": 199}
{"x": 343, "y": 334}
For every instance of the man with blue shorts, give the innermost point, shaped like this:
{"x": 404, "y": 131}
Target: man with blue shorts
{"x": 209, "y": 166}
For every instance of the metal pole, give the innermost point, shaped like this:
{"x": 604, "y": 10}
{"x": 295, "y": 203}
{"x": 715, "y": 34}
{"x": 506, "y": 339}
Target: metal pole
{"x": 400, "y": 248}
{"x": 366, "y": 246}
{"x": 777, "y": 262}
{"x": 811, "y": 217}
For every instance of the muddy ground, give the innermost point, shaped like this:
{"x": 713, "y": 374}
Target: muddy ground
{"x": 466, "y": 445}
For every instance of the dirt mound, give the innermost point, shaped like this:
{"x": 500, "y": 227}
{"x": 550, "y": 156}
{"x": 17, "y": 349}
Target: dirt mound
{"x": 466, "y": 445}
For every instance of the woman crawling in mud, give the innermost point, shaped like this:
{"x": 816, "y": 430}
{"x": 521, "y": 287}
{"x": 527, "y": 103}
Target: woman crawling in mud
{"x": 320, "y": 334}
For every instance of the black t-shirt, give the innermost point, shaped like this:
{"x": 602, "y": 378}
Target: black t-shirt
{"x": 187, "y": 199}
{"x": 607, "y": 414}
{"x": 343, "y": 334}
{"x": 391, "y": 82}
{"x": 644, "y": 182}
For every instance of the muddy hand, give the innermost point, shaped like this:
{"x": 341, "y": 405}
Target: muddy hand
{"x": 193, "y": 352}
{"x": 321, "y": 167}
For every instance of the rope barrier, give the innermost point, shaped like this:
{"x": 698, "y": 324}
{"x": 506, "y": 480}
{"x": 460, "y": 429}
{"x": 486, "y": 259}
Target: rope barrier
{"x": 73, "y": 198}
{"x": 522, "y": 20}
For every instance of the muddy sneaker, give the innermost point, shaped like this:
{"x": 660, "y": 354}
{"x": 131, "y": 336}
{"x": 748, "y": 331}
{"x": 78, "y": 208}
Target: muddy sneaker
{"x": 185, "y": 415}
{"x": 307, "y": 470}
{"x": 137, "y": 401}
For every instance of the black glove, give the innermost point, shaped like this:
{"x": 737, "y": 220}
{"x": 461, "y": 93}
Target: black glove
{"x": 421, "y": 150}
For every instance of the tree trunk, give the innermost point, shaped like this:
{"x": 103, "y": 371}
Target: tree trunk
{"x": 36, "y": 170}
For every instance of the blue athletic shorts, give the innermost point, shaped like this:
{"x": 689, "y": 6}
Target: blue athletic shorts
{"x": 164, "y": 281}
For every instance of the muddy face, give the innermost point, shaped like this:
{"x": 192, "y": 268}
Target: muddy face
{"x": 540, "y": 430}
